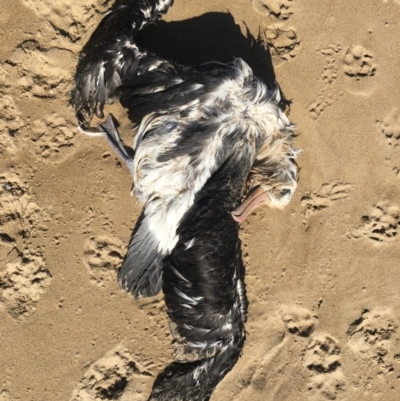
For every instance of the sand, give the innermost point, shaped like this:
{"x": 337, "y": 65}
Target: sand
{"x": 322, "y": 275}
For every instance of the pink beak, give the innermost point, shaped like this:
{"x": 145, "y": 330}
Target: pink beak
{"x": 257, "y": 197}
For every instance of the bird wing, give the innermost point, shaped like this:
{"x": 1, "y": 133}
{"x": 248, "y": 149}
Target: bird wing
{"x": 111, "y": 57}
{"x": 140, "y": 273}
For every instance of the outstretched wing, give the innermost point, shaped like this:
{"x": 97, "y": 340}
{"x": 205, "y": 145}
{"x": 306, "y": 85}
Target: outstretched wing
{"x": 111, "y": 57}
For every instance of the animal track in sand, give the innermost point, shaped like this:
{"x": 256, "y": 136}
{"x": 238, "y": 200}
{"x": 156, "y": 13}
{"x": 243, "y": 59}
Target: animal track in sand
{"x": 39, "y": 72}
{"x": 327, "y": 93}
{"x": 358, "y": 62}
{"x": 70, "y": 21}
{"x": 322, "y": 354}
{"x": 25, "y": 276}
{"x": 22, "y": 283}
{"x": 329, "y": 385}
{"x": 103, "y": 257}
{"x": 281, "y": 42}
{"x": 107, "y": 378}
{"x": 370, "y": 337}
{"x": 380, "y": 226}
{"x": 326, "y": 196}
{"x": 53, "y": 137}
{"x": 279, "y": 9}
{"x": 322, "y": 359}
{"x": 390, "y": 127}
{"x": 262, "y": 362}
{"x": 299, "y": 321}
{"x": 20, "y": 217}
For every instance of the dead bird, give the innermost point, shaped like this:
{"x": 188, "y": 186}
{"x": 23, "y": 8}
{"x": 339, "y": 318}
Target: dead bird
{"x": 207, "y": 130}
{"x": 197, "y": 117}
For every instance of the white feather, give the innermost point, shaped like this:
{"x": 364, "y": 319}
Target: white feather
{"x": 241, "y": 108}
{"x": 190, "y": 243}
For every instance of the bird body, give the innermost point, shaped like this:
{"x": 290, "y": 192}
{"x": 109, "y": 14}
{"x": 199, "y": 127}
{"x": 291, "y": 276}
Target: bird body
{"x": 207, "y": 132}
{"x": 181, "y": 144}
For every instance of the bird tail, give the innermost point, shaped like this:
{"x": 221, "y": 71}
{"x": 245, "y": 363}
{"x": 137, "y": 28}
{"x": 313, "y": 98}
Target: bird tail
{"x": 195, "y": 381}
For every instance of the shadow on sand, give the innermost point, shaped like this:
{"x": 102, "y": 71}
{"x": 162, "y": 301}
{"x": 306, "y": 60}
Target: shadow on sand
{"x": 210, "y": 37}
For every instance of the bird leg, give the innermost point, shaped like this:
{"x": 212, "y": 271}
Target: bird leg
{"x": 108, "y": 129}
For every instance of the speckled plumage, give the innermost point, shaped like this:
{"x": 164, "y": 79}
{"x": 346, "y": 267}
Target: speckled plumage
{"x": 206, "y": 130}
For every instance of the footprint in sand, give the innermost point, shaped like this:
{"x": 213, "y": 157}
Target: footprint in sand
{"x": 370, "y": 337}
{"x": 278, "y": 9}
{"x": 299, "y": 321}
{"x": 38, "y": 72}
{"x": 327, "y": 93}
{"x": 273, "y": 341}
{"x": 326, "y": 196}
{"x": 380, "y": 225}
{"x": 103, "y": 257}
{"x": 277, "y": 40}
{"x": 20, "y": 217}
{"x": 373, "y": 339}
{"x": 22, "y": 283}
{"x": 282, "y": 42}
{"x": 70, "y": 21}
{"x": 322, "y": 354}
{"x": 53, "y": 137}
{"x": 322, "y": 358}
{"x": 109, "y": 379}
{"x": 23, "y": 274}
{"x": 358, "y": 62}
{"x": 389, "y": 126}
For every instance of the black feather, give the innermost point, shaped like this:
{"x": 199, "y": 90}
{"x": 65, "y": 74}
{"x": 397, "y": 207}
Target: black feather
{"x": 202, "y": 288}
{"x": 111, "y": 58}
{"x": 203, "y": 276}
{"x": 140, "y": 273}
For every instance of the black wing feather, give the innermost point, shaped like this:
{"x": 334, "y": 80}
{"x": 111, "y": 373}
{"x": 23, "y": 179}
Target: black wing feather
{"x": 141, "y": 271}
{"x": 111, "y": 58}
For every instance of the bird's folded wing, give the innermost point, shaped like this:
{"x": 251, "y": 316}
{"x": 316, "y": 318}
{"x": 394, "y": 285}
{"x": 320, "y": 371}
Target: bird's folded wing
{"x": 111, "y": 57}
{"x": 141, "y": 271}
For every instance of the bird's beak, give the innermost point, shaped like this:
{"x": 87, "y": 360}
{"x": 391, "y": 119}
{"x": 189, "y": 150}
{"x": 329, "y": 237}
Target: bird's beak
{"x": 256, "y": 198}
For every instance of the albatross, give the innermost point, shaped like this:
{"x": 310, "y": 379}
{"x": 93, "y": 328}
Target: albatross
{"x": 207, "y": 130}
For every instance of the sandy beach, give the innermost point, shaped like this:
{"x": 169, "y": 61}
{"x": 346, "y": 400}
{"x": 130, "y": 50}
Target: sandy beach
{"x": 322, "y": 275}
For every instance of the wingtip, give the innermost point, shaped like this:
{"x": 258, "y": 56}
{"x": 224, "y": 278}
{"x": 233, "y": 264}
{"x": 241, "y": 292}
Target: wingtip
{"x": 139, "y": 292}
